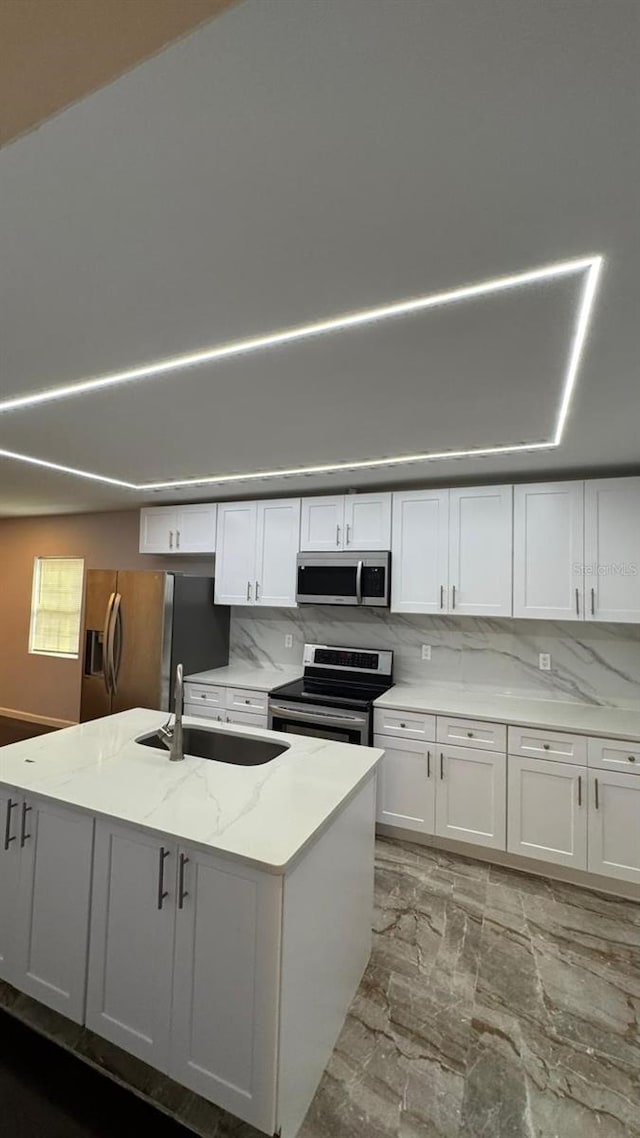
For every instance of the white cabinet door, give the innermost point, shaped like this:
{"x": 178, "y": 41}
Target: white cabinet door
{"x": 612, "y": 549}
{"x": 196, "y": 529}
{"x": 226, "y": 985}
{"x": 52, "y": 926}
{"x": 420, "y": 551}
{"x": 322, "y": 523}
{"x": 406, "y": 785}
{"x": 614, "y": 824}
{"x": 367, "y": 521}
{"x": 547, "y": 811}
{"x": 471, "y": 793}
{"x": 236, "y": 553}
{"x": 548, "y": 551}
{"x": 158, "y": 527}
{"x": 9, "y": 881}
{"x": 131, "y": 947}
{"x": 278, "y": 537}
{"x": 480, "y": 550}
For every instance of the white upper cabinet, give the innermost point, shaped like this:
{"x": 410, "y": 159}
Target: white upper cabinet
{"x": 183, "y": 529}
{"x": 480, "y": 550}
{"x": 278, "y": 536}
{"x": 367, "y": 522}
{"x": 236, "y": 558}
{"x": 420, "y": 551}
{"x": 257, "y": 547}
{"x": 548, "y": 551}
{"x": 346, "y": 521}
{"x": 322, "y": 525}
{"x": 612, "y": 549}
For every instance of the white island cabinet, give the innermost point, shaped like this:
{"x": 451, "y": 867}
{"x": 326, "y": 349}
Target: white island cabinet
{"x": 228, "y": 931}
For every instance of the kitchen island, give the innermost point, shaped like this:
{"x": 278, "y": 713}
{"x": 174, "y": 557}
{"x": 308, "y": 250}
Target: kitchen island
{"x": 213, "y": 920}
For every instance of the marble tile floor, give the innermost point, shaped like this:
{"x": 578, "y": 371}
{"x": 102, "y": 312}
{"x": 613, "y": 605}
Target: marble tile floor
{"x": 495, "y": 1005}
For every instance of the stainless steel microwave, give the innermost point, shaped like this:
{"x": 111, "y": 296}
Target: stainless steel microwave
{"x": 344, "y": 579}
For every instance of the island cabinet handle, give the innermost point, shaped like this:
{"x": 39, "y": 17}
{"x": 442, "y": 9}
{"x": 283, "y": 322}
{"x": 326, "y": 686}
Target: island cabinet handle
{"x": 579, "y": 790}
{"x": 428, "y": 764}
{"x": 597, "y": 797}
{"x": 23, "y": 829}
{"x": 8, "y": 839}
{"x": 182, "y": 892}
{"x": 441, "y": 765}
{"x": 162, "y": 892}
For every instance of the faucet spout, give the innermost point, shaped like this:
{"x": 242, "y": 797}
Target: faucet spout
{"x": 177, "y": 742}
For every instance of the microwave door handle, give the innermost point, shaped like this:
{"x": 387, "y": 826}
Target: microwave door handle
{"x": 359, "y": 583}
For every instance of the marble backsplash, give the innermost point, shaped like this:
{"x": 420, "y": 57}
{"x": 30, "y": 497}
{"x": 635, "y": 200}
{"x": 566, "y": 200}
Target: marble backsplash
{"x": 590, "y": 663}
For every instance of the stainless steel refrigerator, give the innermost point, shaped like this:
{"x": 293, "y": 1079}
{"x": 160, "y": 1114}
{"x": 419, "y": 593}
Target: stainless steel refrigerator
{"x": 137, "y": 627}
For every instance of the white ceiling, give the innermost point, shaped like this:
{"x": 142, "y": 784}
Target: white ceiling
{"x": 294, "y": 161}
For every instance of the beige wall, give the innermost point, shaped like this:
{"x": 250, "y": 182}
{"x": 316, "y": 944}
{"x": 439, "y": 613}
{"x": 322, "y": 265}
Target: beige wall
{"x": 43, "y": 686}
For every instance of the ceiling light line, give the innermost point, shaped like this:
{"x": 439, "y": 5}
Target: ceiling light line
{"x": 583, "y": 320}
{"x": 300, "y": 332}
{"x": 31, "y": 461}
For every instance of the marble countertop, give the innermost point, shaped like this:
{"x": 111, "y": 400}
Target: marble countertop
{"x": 253, "y": 676}
{"x": 262, "y": 815}
{"x": 516, "y": 708}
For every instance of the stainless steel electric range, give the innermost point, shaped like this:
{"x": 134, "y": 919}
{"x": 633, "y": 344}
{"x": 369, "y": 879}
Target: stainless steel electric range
{"x": 334, "y": 698}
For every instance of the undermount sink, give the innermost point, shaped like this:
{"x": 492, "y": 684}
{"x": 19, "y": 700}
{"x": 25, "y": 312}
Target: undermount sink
{"x": 221, "y": 746}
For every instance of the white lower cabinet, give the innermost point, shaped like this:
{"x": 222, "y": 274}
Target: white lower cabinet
{"x": 45, "y": 890}
{"x": 547, "y": 811}
{"x": 132, "y": 929}
{"x": 471, "y": 796}
{"x": 225, "y": 985}
{"x": 406, "y": 785}
{"x": 614, "y": 824}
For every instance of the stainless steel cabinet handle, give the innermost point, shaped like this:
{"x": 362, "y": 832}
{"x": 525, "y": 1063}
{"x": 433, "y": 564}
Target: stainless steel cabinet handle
{"x": 8, "y": 839}
{"x": 631, "y": 758}
{"x": 442, "y": 596}
{"x": 23, "y": 828}
{"x": 170, "y": 539}
{"x": 247, "y": 701}
{"x": 337, "y": 535}
{"x": 403, "y": 725}
{"x": 453, "y": 596}
{"x": 248, "y": 590}
{"x": 579, "y": 790}
{"x": 348, "y": 533}
{"x": 257, "y": 590}
{"x": 577, "y": 602}
{"x": 162, "y": 892}
{"x": 597, "y": 798}
{"x": 593, "y": 601}
{"x": 428, "y": 764}
{"x": 177, "y": 539}
{"x": 546, "y": 746}
{"x": 182, "y": 892}
{"x": 441, "y": 765}
{"x": 469, "y": 734}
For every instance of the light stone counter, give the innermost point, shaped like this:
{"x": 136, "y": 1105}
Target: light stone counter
{"x": 518, "y": 709}
{"x": 251, "y": 676}
{"x": 264, "y": 815}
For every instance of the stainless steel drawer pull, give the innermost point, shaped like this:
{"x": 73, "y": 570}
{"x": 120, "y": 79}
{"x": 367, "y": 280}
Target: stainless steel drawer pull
{"x": 546, "y": 746}
{"x": 593, "y": 602}
{"x": 469, "y": 734}
{"x": 337, "y": 535}
{"x": 442, "y": 596}
{"x": 162, "y": 892}
{"x": 631, "y": 758}
{"x": 577, "y": 602}
{"x": 247, "y": 701}
{"x": 248, "y": 590}
{"x": 597, "y": 798}
{"x": 348, "y": 534}
{"x": 579, "y": 790}
{"x": 257, "y": 590}
{"x": 177, "y": 539}
{"x": 403, "y": 725}
{"x": 8, "y": 838}
{"x": 453, "y": 595}
{"x": 24, "y": 836}
{"x": 182, "y": 892}
{"x": 441, "y": 765}
{"x": 428, "y": 764}
{"x": 170, "y": 539}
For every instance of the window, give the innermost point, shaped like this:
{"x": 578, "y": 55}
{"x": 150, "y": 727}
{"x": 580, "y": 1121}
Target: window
{"x": 56, "y": 606}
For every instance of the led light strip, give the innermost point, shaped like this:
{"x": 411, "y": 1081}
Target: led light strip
{"x": 591, "y": 266}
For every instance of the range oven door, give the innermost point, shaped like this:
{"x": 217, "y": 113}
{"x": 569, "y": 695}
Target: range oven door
{"x": 343, "y": 579}
{"x": 320, "y": 722}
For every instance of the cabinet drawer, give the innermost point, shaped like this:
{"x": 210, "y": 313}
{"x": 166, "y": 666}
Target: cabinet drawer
{"x": 243, "y": 699}
{"x": 205, "y": 694}
{"x": 404, "y": 724}
{"x": 247, "y": 719}
{"x": 205, "y": 711}
{"x": 472, "y": 733}
{"x": 614, "y": 754}
{"x": 548, "y": 745}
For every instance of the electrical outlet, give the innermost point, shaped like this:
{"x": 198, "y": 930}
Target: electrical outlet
{"x": 544, "y": 662}
{"x": 426, "y": 651}
{"x": 288, "y": 640}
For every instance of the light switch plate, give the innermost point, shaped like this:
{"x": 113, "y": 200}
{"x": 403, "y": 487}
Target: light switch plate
{"x": 544, "y": 662}
{"x": 288, "y": 640}
{"x": 426, "y": 651}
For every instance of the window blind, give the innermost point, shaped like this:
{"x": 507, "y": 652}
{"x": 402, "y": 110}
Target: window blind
{"x": 56, "y": 606}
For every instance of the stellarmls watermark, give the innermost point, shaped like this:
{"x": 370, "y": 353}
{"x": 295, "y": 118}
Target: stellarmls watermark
{"x": 606, "y": 569}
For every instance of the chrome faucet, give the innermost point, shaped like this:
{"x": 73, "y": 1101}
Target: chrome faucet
{"x": 172, "y": 735}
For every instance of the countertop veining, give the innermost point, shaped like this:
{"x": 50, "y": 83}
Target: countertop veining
{"x": 255, "y": 677}
{"x": 262, "y": 815}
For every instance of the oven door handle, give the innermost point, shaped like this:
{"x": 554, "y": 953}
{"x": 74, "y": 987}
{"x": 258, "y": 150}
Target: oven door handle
{"x": 308, "y": 717}
{"x": 359, "y": 583}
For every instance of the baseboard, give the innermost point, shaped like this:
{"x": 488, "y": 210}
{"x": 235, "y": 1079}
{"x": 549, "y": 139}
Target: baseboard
{"x": 30, "y": 717}
{"x": 610, "y": 885}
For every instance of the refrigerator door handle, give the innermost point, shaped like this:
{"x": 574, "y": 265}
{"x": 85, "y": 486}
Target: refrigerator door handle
{"x": 115, "y": 638}
{"x": 106, "y": 667}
